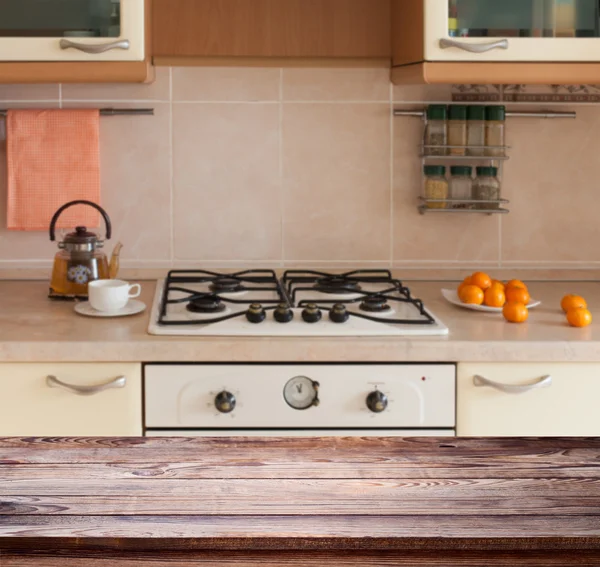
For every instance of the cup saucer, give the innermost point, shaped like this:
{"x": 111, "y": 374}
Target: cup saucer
{"x": 132, "y": 308}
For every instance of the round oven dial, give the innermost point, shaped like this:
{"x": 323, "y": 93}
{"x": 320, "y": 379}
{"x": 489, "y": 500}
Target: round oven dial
{"x": 225, "y": 402}
{"x": 377, "y": 401}
{"x": 301, "y": 393}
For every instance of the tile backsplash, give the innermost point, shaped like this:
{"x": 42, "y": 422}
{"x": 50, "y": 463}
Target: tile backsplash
{"x": 307, "y": 167}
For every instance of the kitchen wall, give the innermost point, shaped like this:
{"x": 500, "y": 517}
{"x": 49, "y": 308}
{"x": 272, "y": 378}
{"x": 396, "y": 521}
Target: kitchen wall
{"x": 307, "y": 167}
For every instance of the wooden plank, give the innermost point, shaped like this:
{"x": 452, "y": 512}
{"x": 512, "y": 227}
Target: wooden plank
{"x": 338, "y": 559}
{"x": 498, "y": 73}
{"x": 229, "y": 469}
{"x": 302, "y": 497}
{"x": 272, "y": 529}
{"x": 271, "y": 28}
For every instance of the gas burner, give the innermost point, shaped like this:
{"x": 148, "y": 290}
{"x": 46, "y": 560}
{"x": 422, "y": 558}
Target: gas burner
{"x": 337, "y": 285}
{"x": 375, "y": 304}
{"x": 208, "y": 304}
{"x": 226, "y": 285}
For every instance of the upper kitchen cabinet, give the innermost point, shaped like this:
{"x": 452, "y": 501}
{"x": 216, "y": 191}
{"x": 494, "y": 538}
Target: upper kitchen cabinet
{"x": 496, "y": 41}
{"x": 74, "y": 40}
{"x": 194, "y": 31}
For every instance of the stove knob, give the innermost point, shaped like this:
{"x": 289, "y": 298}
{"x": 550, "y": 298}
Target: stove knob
{"x": 377, "y": 401}
{"x": 338, "y": 313}
{"x": 256, "y": 313}
{"x": 225, "y": 402}
{"x": 283, "y": 314}
{"x": 311, "y": 313}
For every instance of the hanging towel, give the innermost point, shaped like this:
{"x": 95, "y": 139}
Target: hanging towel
{"x": 53, "y": 157}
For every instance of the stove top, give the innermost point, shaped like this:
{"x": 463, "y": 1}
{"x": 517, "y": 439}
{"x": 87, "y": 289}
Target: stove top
{"x": 300, "y": 303}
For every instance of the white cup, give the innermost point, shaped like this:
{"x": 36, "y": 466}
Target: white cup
{"x": 111, "y": 295}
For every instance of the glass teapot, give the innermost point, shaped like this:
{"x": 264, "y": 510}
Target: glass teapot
{"x": 80, "y": 259}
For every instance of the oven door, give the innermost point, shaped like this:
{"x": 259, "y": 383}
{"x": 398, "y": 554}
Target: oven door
{"x": 301, "y": 433}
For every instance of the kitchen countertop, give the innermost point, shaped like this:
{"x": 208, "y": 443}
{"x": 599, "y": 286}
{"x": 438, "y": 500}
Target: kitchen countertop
{"x": 36, "y": 329}
{"x": 338, "y": 501}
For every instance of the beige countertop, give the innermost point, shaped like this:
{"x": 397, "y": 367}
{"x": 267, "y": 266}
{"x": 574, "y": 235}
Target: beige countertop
{"x": 36, "y": 329}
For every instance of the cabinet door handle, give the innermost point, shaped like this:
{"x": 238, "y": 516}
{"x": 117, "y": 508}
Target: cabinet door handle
{"x": 474, "y": 47}
{"x": 54, "y": 382}
{"x": 543, "y": 382}
{"x": 96, "y": 48}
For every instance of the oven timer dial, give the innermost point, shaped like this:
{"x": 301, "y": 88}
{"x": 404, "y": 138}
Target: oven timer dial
{"x": 301, "y": 393}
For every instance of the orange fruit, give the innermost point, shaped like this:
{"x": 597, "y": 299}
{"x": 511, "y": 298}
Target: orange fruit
{"x": 466, "y": 281}
{"x": 494, "y": 297}
{"x": 471, "y": 294}
{"x": 498, "y": 283}
{"x": 517, "y": 295}
{"x": 515, "y": 283}
{"x": 481, "y": 280}
{"x": 579, "y": 317}
{"x": 515, "y": 312}
{"x": 572, "y": 301}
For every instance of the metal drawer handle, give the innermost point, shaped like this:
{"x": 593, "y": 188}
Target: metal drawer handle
{"x": 543, "y": 382}
{"x": 54, "y": 382}
{"x": 474, "y": 47}
{"x": 94, "y": 49}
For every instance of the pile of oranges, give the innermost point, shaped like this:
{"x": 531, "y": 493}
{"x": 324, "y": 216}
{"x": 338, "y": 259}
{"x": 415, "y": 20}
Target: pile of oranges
{"x": 576, "y": 309}
{"x": 512, "y": 297}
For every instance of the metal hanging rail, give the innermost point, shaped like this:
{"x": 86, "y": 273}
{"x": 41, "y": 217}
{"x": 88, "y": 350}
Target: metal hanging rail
{"x": 532, "y": 114}
{"x": 112, "y": 112}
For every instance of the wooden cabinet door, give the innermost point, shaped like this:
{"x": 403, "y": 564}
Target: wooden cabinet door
{"x": 272, "y": 28}
{"x": 34, "y": 405}
{"x": 528, "y": 399}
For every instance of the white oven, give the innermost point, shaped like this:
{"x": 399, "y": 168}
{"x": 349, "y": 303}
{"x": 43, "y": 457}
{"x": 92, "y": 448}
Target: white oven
{"x": 300, "y": 399}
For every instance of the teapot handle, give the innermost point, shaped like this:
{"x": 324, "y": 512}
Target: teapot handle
{"x": 67, "y": 205}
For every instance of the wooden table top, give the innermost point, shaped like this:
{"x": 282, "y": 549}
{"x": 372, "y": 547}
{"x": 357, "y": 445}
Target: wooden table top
{"x": 319, "y": 494}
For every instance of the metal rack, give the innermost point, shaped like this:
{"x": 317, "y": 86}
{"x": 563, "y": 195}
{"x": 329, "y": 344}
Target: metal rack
{"x": 495, "y": 207}
{"x": 111, "y": 112}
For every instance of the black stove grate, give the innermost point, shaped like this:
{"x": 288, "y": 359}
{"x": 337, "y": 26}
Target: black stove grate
{"x": 248, "y": 280}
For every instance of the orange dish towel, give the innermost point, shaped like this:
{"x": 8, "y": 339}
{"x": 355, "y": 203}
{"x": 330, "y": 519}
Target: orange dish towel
{"x": 53, "y": 157}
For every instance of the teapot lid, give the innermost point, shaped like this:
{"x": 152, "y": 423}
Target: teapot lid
{"x": 81, "y": 240}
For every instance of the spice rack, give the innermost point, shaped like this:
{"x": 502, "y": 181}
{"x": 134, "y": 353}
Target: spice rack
{"x": 441, "y": 155}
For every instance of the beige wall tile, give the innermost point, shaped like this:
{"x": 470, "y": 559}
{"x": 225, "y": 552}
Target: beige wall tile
{"x": 156, "y": 91}
{"x": 226, "y": 180}
{"x": 28, "y": 92}
{"x": 135, "y": 176}
{"x": 551, "y": 181}
{"x": 336, "y": 163}
{"x": 422, "y": 93}
{"x": 439, "y": 237}
{"x": 240, "y": 84}
{"x": 326, "y": 84}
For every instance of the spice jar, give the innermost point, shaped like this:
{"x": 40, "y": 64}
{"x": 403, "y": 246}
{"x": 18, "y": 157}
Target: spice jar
{"x": 476, "y": 130}
{"x": 436, "y": 186}
{"x": 457, "y": 130}
{"x": 436, "y": 131}
{"x": 487, "y": 187}
{"x": 495, "y": 117}
{"x": 461, "y": 185}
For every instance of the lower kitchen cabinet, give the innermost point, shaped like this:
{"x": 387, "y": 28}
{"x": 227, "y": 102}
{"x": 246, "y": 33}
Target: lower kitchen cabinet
{"x": 71, "y": 399}
{"x": 528, "y": 399}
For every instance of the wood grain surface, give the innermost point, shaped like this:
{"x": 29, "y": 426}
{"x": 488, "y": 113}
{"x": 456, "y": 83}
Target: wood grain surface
{"x": 392, "y": 501}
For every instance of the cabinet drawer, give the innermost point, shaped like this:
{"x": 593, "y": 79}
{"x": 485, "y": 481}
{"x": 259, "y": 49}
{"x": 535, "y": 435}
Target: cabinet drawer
{"x": 37, "y": 406}
{"x": 521, "y": 401}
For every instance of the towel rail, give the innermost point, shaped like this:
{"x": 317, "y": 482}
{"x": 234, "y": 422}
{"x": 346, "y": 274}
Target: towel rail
{"x": 113, "y": 112}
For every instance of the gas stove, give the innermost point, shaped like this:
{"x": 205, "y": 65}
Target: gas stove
{"x": 300, "y": 303}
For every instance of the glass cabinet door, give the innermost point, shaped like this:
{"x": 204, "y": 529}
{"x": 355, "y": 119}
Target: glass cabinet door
{"x": 58, "y": 30}
{"x": 60, "y": 18}
{"x": 512, "y": 30}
